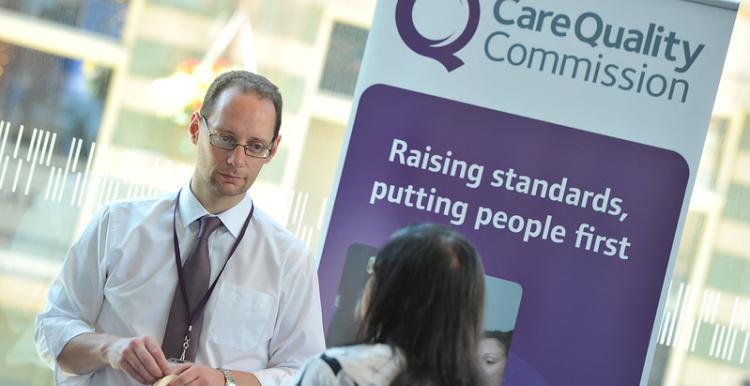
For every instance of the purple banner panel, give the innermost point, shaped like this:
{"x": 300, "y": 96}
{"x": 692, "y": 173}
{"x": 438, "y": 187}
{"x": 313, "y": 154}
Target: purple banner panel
{"x": 583, "y": 222}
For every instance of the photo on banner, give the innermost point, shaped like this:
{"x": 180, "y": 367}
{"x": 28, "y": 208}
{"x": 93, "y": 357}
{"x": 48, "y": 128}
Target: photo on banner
{"x": 502, "y": 300}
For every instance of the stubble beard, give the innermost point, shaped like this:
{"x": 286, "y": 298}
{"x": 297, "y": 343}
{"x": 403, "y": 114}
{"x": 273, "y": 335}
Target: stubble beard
{"x": 226, "y": 190}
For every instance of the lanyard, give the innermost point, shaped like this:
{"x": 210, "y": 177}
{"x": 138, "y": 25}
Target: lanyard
{"x": 191, "y": 315}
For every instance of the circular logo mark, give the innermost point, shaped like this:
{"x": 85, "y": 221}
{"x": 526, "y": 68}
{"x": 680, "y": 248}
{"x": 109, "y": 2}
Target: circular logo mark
{"x": 431, "y": 48}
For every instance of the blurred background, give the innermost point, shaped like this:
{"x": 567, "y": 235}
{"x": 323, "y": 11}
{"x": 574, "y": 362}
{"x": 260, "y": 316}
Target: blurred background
{"x": 95, "y": 96}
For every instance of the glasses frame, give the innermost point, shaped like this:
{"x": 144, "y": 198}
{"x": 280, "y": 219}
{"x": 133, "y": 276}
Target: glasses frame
{"x": 212, "y": 135}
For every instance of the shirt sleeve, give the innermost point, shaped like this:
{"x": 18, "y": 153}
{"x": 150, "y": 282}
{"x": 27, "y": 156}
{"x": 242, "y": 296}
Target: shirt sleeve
{"x": 76, "y": 294}
{"x": 298, "y": 332}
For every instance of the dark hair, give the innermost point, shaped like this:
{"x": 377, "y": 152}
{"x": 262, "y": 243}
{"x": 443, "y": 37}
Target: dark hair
{"x": 246, "y": 82}
{"x": 427, "y": 299}
{"x": 503, "y": 337}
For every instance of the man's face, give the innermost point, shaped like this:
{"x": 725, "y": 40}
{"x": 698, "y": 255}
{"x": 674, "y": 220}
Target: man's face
{"x": 221, "y": 173}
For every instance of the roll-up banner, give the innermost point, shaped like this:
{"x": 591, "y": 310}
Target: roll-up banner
{"x": 561, "y": 137}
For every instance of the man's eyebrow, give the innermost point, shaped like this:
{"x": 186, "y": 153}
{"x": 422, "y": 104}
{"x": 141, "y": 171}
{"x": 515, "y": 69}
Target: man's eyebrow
{"x": 224, "y": 131}
{"x": 231, "y": 133}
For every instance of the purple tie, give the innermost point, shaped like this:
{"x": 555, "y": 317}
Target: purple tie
{"x": 197, "y": 274}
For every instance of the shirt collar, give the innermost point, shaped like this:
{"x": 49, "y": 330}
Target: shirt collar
{"x": 233, "y": 218}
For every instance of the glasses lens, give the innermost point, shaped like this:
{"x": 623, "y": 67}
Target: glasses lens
{"x": 257, "y": 149}
{"x": 223, "y": 141}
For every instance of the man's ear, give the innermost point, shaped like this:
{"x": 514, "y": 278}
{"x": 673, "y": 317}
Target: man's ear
{"x": 194, "y": 127}
{"x": 275, "y": 147}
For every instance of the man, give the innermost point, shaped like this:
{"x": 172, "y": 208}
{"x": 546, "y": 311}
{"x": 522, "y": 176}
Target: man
{"x": 200, "y": 275}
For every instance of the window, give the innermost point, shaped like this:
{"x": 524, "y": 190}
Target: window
{"x": 346, "y": 48}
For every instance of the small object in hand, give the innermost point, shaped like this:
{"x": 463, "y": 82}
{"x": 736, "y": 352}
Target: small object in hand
{"x": 165, "y": 381}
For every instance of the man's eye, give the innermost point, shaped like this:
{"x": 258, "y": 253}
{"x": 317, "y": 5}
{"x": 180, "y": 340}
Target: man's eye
{"x": 227, "y": 139}
{"x": 256, "y": 146}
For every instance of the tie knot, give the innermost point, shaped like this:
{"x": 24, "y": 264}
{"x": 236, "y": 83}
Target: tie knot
{"x": 208, "y": 224}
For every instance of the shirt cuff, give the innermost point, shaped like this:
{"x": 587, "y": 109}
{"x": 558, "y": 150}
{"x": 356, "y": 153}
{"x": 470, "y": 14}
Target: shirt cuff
{"x": 58, "y": 336}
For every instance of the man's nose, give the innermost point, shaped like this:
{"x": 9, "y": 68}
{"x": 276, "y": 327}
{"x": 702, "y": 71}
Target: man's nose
{"x": 237, "y": 156}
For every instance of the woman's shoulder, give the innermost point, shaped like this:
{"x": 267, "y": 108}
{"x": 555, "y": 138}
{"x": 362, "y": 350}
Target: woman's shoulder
{"x": 363, "y": 351}
{"x": 365, "y": 364}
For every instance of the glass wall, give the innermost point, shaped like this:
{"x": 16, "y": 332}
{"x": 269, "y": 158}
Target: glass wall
{"x": 94, "y": 101}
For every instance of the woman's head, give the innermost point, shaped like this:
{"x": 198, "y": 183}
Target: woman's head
{"x": 426, "y": 297}
{"x": 493, "y": 353}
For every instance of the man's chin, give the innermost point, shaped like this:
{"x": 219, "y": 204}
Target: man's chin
{"x": 229, "y": 190}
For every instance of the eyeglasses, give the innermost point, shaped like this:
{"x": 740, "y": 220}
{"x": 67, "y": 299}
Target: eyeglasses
{"x": 256, "y": 149}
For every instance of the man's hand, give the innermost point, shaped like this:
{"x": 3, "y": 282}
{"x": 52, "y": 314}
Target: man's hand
{"x": 142, "y": 358}
{"x": 196, "y": 375}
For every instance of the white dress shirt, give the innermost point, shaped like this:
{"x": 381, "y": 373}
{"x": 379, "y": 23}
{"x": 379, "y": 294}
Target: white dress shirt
{"x": 119, "y": 278}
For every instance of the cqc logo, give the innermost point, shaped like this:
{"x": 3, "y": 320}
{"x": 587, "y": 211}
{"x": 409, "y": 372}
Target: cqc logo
{"x": 442, "y": 50}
